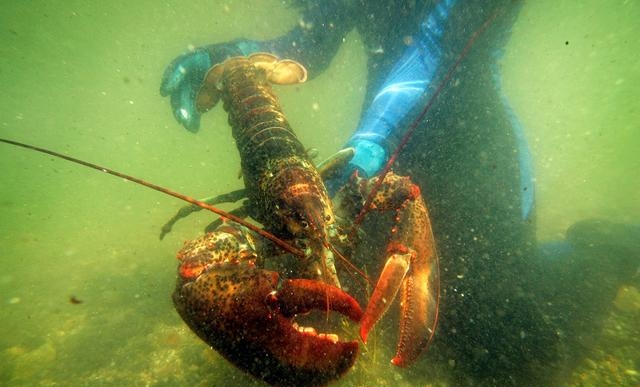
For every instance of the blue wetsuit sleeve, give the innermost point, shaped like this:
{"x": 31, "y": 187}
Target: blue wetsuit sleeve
{"x": 407, "y": 85}
{"x": 402, "y": 90}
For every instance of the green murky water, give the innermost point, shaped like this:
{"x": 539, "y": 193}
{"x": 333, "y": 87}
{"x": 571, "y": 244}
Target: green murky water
{"x": 82, "y": 78}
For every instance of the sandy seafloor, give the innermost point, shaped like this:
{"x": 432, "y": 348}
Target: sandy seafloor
{"x": 82, "y": 78}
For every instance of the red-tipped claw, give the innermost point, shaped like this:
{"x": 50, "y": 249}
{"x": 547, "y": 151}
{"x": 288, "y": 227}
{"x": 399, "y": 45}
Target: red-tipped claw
{"x": 413, "y": 267}
{"x": 248, "y": 317}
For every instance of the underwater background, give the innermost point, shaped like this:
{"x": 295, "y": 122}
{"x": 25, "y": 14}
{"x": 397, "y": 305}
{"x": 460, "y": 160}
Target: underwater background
{"x": 85, "y": 283}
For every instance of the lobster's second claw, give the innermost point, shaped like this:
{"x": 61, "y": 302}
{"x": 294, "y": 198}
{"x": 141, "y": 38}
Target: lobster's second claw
{"x": 247, "y": 316}
{"x": 413, "y": 267}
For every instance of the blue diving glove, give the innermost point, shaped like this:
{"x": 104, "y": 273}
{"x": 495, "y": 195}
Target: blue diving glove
{"x": 183, "y": 77}
{"x": 368, "y": 159}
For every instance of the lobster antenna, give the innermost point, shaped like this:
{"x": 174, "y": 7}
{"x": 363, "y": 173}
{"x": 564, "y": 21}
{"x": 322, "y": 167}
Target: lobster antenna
{"x": 225, "y": 215}
{"x": 414, "y": 125}
{"x": 348, "y": 265}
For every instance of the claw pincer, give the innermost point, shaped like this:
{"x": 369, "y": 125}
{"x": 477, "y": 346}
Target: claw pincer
{"x": 246, "y": 313}
{"x": 411, "y": 267}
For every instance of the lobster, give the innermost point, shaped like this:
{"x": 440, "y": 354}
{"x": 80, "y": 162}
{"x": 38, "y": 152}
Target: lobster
{"x": 225, "y": 291}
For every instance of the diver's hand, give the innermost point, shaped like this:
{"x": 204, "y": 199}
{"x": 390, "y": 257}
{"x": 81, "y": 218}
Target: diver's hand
{"x": 183, "y": 77}
{"x": 366, "y": 157}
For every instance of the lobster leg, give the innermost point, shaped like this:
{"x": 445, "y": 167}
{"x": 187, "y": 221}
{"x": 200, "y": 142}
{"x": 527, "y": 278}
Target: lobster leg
{"x": 187, "y": 210}
{"x": 412, "y": 266}
{"x": 241, "y": 212}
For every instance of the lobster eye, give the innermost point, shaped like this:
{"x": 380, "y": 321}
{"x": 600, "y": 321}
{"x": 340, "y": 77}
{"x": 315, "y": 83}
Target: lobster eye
{"x": 272, "y": 300}
{"x": 304, "y": 224}
{"x": 327, "y": 218}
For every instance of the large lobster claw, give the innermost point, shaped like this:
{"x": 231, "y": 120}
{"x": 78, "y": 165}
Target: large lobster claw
{"x": 412, "y": 266}
{"x": 246, "y": 313}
